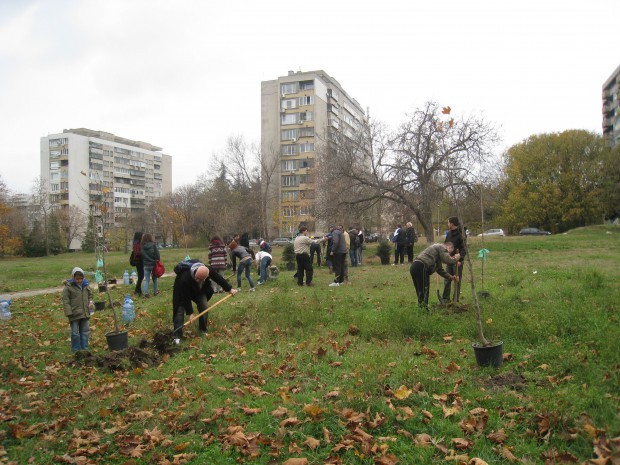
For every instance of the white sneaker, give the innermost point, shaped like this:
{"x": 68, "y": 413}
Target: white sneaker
{"x": 238, "y": 289}
{"x": 252, "y": 290}
{"x": 177, "y": 341}
{"x": 334, "y": 285}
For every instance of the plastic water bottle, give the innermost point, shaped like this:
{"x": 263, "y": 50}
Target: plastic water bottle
{"x": 126, "y": 278}
{"x": 5, "y": 309}
{"x": 129, "y": 310}
{"x": 134, "y": 277}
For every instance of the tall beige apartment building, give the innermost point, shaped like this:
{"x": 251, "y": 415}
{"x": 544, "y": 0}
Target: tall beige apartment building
{"x": 90, "y": 169}
{"x": 299, "y": 112}
{"x": 611, "y": 109}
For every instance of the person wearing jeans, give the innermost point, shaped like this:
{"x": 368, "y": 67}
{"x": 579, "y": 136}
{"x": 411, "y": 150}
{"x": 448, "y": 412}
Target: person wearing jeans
{"x": 245, "y": 263}
{"x": 150, "y": 254}
{"x": 77, "y": 303}
{"x": 263, "y": 259}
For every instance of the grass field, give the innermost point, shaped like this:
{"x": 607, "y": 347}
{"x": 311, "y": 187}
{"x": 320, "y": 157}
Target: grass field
{"x": 353, "y": 375}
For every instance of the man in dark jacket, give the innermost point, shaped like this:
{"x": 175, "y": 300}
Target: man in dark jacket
{"x": 338, "y": 254}
{"x": 411, "y": 237}
{"x": 429, "y": 261}
{"x": 455, "y": 236}
{"x": 193, "y": 284}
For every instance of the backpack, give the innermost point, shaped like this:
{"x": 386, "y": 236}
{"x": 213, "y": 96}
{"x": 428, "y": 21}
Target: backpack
{"x": 185, "y": 265}
{"x": 355, "y": 241}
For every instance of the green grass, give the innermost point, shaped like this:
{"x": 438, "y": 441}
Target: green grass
{"x": 332, "y": 360}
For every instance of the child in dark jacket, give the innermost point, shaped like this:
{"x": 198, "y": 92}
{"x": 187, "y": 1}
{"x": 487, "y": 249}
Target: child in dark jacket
{"x": 78, "y": 304}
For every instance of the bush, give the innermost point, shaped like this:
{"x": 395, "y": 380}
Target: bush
{"x": 384, "y": 252}
{"x": 288, "y": 256}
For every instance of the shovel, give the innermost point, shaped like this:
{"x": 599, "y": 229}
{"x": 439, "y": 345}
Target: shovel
{"x": 205, "y": 311}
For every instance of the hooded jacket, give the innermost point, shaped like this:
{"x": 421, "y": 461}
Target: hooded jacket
{"x": 150, "y": 254}
{"x": 75, "y": 298}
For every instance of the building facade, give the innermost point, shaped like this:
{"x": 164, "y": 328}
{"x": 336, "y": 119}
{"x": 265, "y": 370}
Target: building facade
{"x": 611, "y": 109}
{"x": 299, "y": 113}
{"x": 103, "y": 174}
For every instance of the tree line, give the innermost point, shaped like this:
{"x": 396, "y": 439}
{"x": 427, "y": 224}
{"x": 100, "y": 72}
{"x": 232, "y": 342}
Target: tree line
{"x": 433, "y": 164}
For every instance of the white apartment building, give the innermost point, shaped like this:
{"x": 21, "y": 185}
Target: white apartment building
{"x": 90, "y": 169}
{"x": 611, "y": 109}
{"x": 298, "y": 113}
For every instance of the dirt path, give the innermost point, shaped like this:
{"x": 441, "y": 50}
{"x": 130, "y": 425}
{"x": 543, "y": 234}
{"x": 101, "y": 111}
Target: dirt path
{"x": 49, "y": 290}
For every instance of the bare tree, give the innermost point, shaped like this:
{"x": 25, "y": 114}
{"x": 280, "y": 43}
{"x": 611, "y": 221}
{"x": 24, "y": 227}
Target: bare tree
{"x": 72, "y": 222}
{"x": 429, "y": 153}
{"x": 43, "y": 207}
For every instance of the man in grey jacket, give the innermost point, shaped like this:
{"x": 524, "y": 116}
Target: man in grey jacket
{"x": 429, "y": 261}
{"x": 338, "y": 253}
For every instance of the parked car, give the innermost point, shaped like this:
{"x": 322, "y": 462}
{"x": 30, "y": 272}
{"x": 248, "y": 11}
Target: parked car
{"x": 533, "y": 232}
{"x": 492, "y": 232}
{"x": 372, "y": 237}
{"x": 253, "y": 243}
{"x": 281, "y": 241}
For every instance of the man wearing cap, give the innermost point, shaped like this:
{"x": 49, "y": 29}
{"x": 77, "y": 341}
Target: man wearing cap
{"x": 193, "y": 284}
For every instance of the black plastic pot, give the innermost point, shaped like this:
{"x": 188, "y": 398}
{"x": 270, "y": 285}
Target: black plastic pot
{"x": 484, "y": 294}
{"x": 492, "y": 355}
{"x": 103, "y": 287}
{"x": 385, "y": 260}
{"x": 117, "y": 340}
{"x": 100, "y": 305}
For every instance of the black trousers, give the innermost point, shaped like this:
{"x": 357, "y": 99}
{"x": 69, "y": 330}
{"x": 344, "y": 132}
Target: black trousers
{"x": 421, "y": 281}
{"x": 447, "y": 283}
{"x": 178, "y": 317}
{"x": 140, "y": 270}
{"x": 338, "y": 264}
{"x": 399, "y": 254}
{"x": 316, "y": 251}
{"x": 409, "y": 250}
{"x": 304, "y": 264}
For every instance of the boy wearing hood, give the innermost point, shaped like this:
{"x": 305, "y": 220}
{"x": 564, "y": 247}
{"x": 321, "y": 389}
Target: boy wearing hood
{"x": 77, "y": 301}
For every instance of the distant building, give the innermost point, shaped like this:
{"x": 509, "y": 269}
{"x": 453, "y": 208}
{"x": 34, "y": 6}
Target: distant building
{"x": 298, "y": 113}
{"x": 90, "y": 169}
{"x": 611, "y": 109}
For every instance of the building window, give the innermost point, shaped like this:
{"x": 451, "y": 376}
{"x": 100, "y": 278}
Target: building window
{"x": 306, "y": 100}
{"x": 291, "y": 149}
{"x": 288, "y": 88}
{"x": 306, "y": 147}
{"x": 290, "y": 196}
{"x": 290, "y": 181}
{"x": 306, "y": 132}
{"x": 289, "y": 118}
{"x": 306, "y": 85}
{"x": 304, "y": 210}
{"x": 54, "y": 165}
{"x": 289, "y": 165}
{"x": 289, "y": 103}
{"x": 305, "y": 116}
{"x": 289, "y": 134}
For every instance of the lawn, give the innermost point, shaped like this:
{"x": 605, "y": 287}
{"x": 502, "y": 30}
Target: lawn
{"x": 354, "y": 374}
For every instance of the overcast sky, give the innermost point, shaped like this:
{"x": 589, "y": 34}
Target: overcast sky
{"x": 185, "y": 74}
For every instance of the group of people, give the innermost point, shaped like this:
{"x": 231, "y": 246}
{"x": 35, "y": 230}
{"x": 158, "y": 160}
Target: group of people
{"x": 197, "y": 282}
{"x": 404, "y": 239}
{"x": 145, "y": 253}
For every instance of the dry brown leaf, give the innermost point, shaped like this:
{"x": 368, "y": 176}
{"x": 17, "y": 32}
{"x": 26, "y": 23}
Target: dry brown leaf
{"x": 311, "y": 443}
{"x": 497, "y": 437}
{"x": 300, "y": 461}
{"x": 477, "y": 461}
{"x": 462, "y": 443}
{"x": 506, "y": 453}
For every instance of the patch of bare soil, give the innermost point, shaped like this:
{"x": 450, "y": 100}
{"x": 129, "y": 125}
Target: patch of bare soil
{"x": 509, "y": 380}
{"x": 146, "y": 354}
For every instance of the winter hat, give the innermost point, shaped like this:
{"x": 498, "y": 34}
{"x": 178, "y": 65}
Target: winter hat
{"x": 201, "y": 273}
{"x": 232, "y": 245}
{"x": 75, "y": 270}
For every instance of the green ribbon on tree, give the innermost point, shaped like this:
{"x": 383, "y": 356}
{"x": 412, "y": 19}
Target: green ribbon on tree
{"x": 482, "y": 253}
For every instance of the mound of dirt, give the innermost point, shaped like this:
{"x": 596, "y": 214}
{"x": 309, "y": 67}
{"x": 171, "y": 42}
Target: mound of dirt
{"x": 509, "y": 380}
{"x": 146, "y": 354}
